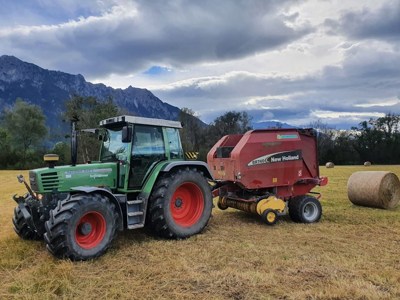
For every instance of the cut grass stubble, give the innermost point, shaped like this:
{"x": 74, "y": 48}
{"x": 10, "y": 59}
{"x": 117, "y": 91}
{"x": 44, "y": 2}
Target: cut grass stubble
{"x": 351, "y": 254}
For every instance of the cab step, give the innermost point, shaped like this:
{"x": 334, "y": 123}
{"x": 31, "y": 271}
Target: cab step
{"x": 136, "y": 226}
{"x": 135, "y": 213}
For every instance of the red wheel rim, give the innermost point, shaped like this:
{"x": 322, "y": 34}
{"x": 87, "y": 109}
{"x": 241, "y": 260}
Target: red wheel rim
{"x": 90, "y": 230}
{"x": 187, "y": 204}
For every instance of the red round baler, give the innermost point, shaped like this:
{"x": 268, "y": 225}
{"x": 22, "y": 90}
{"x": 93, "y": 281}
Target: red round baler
{"x": 269, "y": 172}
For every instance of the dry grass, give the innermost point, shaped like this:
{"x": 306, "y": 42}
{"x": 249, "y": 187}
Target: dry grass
{"x": 353, "y": 253}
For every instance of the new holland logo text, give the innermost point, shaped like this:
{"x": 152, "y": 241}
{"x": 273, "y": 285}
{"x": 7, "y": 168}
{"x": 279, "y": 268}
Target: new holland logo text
{"x": 276, "y": 157}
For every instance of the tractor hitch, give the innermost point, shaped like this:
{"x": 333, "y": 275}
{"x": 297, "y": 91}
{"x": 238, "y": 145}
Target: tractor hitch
{"x": 21, "y": 179}
{"x": 19, "y": 199}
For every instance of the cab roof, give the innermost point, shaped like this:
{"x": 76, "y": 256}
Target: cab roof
{"x": 141, "y": 121}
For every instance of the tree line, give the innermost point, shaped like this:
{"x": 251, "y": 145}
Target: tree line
{"x": 376, "y": 140}
{"x": 24, "y": 136}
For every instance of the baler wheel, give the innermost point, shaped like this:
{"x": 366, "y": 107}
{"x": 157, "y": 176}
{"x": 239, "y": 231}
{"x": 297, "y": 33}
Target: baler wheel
{"x": 180, "y": 205}
{"x": 269, "y": 216}
{"x": 81, "y": 227}
{"x": 305, "y": 209}
{"x": 21, "y": 228}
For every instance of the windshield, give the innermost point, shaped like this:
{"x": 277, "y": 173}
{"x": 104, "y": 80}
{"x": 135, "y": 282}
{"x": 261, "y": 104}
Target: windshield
{"x": 113, "y": 149}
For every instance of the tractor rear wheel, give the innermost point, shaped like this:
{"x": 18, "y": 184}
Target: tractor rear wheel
{"x": 22, "y": 228}
{"x": 180, "y": 205}
{"x": 305, "y": 209}
{"x": 81, "y": 227}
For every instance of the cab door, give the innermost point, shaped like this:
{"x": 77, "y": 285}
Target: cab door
{"x": 147, "y": 150}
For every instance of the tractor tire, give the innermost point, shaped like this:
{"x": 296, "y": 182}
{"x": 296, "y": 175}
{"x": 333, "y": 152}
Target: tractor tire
{"x": 180, "y": 204}
{"x": 81, "y": 227}
{"x": 21, "y": 228}
{"x": 305, "y": 209}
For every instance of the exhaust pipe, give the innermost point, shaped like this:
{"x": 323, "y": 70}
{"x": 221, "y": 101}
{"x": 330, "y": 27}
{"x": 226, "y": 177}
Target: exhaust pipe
{"x": 74, "y": 142}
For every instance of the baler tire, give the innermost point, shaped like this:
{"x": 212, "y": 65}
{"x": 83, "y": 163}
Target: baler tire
{"x": 21, "y": 228}
{"x": 174, "y": 194}
{"x": 264, "y": 217}
{"x": 92, "y": 213}
{"x": 299, "y": 209}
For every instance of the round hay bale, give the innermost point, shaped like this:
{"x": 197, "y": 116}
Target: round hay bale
{"x": 367, "y": 164}
{"x": 330, "y": 165}
{"x": 379, "y": 189}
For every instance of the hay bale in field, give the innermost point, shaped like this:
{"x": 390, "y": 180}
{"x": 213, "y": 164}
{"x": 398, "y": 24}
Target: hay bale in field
{"x": 379, "y": 189}
{"x": 367, "y": 164}
{"x": 329, "y": 165}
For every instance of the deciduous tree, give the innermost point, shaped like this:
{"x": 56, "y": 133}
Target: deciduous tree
{"x": 25, "y": 126}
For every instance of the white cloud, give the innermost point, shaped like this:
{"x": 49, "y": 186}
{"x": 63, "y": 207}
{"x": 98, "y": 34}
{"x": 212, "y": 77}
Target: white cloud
{"x": 345, "y": 114}
{"x": 380, "y": 102}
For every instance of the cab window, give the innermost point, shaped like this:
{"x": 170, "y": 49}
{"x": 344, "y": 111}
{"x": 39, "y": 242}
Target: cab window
{"x": 174, "y": 143}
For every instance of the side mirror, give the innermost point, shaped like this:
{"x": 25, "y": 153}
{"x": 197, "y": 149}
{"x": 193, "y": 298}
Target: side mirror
{"x": 126, "y": 134}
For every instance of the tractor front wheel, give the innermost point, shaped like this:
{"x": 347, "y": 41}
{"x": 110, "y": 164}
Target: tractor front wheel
{"x": 305, "y": 209}
{"x": 180, "y": 205}
{"x": 81, "y": 227}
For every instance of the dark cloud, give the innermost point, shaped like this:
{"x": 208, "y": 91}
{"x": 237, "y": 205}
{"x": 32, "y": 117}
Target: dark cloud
{"x": 381, "y": 24}
{"x": 137, "y": 35}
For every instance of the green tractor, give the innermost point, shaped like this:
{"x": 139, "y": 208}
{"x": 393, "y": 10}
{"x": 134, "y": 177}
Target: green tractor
{"x": 141, "y": 178}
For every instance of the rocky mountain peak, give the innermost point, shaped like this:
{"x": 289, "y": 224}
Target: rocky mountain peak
{"x": 50, "y": 89}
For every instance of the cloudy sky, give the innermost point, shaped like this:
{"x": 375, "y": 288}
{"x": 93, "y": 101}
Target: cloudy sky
{"x": 286, "y": 60}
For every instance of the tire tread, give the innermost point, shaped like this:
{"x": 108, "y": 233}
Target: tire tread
{"x": 57, "y": 225}
{"x": 296, "y": 205}
{"x": 21, "y": 228}
{"x": 157, "y": 221}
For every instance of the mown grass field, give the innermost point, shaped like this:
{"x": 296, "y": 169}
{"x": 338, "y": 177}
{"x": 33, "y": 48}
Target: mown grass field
{"x": 353, "y": 253}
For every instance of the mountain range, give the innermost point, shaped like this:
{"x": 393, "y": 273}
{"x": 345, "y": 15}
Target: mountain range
{"x": 271, "y": 124}
{"x": 50, "y": 89}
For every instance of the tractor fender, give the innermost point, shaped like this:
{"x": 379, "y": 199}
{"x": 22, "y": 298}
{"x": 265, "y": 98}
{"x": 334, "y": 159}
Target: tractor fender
{"x": 200, "y": 165}
{"x": 108, "y": 194}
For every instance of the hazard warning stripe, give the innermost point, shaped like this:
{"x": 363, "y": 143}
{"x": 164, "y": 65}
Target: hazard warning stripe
{"x": 191, "y": 155}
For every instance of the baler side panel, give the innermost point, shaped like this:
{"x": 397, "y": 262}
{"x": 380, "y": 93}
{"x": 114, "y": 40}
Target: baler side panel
{"x": 269, "y": 158}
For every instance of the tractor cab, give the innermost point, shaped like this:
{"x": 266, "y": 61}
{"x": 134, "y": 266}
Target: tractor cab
{"x": 138, "y": 144}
